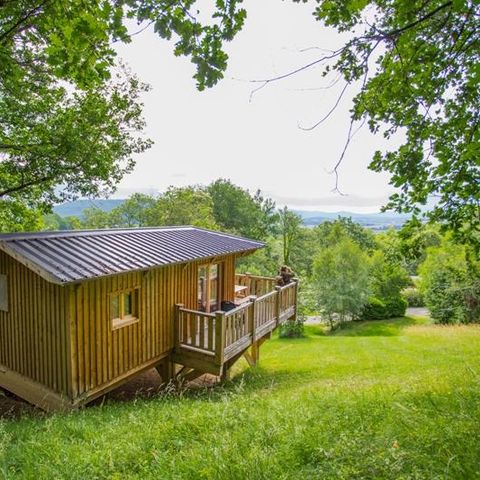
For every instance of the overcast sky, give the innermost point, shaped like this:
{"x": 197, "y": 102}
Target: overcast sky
{"x": 254, "y": 140}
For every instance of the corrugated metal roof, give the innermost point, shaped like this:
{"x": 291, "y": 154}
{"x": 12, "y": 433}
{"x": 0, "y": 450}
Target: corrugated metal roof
{"x": 72, "y": 256}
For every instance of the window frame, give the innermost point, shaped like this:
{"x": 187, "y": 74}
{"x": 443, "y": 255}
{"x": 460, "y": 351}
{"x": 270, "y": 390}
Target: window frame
{"x": 208, "y": 300}
{"x": 124, "y": 319}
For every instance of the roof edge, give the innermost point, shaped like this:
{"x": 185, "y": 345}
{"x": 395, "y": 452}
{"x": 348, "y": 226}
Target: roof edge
{"x": 5, "y": 237}
{"x": 88, "y": 232}
{"x": 30, "y": 265}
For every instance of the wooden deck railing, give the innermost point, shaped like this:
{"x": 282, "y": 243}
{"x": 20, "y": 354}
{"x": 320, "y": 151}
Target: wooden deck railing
{"x": 256, "y": 285}
{"x": 287, "y": 299}
{"x": 217, "y": 337}
{"x": 195, "y": 330}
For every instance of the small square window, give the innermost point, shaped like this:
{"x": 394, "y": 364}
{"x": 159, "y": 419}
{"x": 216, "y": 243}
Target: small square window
{"x": 3, "y": 293}
{"x": 128, "y": 304}
{"x": 124, "y": 308}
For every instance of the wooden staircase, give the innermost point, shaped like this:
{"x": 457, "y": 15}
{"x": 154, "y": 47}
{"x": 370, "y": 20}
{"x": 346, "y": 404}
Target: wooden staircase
{"x": 213, "y": 342}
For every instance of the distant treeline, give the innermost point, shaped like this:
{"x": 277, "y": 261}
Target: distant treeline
{"x": 347, "y": 271}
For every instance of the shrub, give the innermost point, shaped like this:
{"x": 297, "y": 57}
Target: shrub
{"x": 414, "y": 297}
{"x": 451, "y": 284}
{"x": 378, "y": 309}
{"x": 374, "y": 309}
{"x": 395, "y": 307}
{"x": 387, "y": 279}
{"x": 293, "y": 328}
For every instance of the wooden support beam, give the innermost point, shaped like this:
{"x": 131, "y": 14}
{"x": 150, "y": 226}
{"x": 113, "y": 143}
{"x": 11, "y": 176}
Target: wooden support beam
{"x": 227, "y": 366}
{"x": 249, "y": 358}
{"x": 226, "y": 374}
{"x": 192, "y": 375}
{"x": 166, "y": 370}
{"x": 183, "y": 370}
{"x": 262, "y": 340}
{"x": 256, "y": 351}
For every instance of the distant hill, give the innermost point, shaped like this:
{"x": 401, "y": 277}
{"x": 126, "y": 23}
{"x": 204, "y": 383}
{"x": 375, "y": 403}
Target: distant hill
{"x": 374, "y": 221}
{"x": 75, "y": 209}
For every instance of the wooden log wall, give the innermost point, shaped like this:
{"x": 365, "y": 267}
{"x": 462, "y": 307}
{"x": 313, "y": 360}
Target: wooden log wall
{"x": 102, "y": 355}
{"x": 33, "y": 332}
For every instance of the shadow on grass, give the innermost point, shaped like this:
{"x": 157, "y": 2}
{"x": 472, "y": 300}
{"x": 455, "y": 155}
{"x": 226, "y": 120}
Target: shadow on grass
{"x": 376, "y": 328}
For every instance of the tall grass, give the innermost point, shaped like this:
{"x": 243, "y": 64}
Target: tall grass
{"x": 396, "y": 399}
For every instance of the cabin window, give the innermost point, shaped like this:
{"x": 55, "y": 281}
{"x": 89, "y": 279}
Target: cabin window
{"x": 3, "y": 293}
{"x": 208, "y": 287}
{"x": 124, "y": 307}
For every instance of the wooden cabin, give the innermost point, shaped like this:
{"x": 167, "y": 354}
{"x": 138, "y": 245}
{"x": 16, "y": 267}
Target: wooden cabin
{"x": 83, "y": 311}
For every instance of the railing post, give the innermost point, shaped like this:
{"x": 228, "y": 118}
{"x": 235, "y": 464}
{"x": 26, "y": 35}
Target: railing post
{"x": 177, "y": 326}
{"x": 251, "y": 320}
{"x": 278, "y": 289}
{"x": 248, "y": 283}
{"x": 295, "y": 299}
{"x": 219, "y": 337}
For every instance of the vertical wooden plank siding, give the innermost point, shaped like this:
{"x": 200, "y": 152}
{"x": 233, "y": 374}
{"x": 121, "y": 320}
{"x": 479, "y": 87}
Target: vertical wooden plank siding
{"x": 102, "y": 353}
{"x": 62, "y": 336}
{"x": 33, "y": 333}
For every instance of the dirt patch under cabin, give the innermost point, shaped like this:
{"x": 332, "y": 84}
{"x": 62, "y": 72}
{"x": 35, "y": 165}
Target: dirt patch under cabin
{"x": 146, "y": 385}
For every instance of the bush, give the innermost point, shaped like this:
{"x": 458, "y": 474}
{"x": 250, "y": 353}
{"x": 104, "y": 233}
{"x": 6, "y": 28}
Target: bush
{"x": 387, "y": 281}
{"x": 377, "y": 309}
{"x": 374, "y": 309}
{"x": 414, "y": 297}
{"x": 395, "y": 307}
{"x": 451, "y": 284}
{"x": 292, "y": 328}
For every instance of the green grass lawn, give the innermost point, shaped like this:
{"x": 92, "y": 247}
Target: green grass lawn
{"x": 395, "y": 399}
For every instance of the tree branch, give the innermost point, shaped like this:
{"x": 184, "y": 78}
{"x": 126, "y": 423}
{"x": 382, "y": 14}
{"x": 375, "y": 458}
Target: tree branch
{"x": 335, "y": 54}
{"x": 23, "y": 19}
{"x": 399, "y": 31}
{"x": 339, "y": 98}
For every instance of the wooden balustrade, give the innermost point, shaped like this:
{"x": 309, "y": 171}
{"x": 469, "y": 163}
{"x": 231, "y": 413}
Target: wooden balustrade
{"x": 237, "y": 323}
{"x": 287, "y": 297}
{"x": 195, "y": 330}
{"x": 266, "y": 313}
{"x": 256, "y": 285}
{"x": 221, "y": 336}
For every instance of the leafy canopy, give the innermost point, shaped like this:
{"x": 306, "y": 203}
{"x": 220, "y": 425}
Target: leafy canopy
{"x": 70, "y": 117}
{"x": 237, "y": 211}
{"x": 415, "y": 67}
{"x": 417, "y": 64}
{"x": 330, "y": 232}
